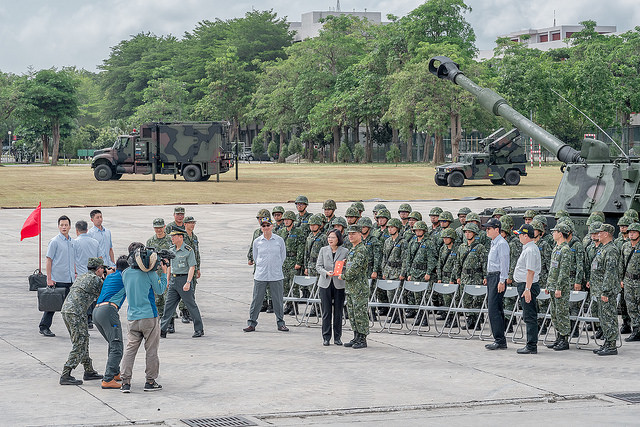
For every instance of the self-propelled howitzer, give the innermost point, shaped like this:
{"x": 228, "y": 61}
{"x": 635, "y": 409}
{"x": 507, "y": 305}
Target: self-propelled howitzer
{"x": 592, "y": 179}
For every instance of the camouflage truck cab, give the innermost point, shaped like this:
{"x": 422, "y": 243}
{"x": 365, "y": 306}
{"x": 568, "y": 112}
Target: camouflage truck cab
{"x": 195, "y": 150}
{"x": 503, "y": 161}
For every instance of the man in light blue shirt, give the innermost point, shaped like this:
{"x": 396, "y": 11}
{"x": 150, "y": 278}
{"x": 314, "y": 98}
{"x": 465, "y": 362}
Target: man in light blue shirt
{"x": 497, "y": 274}
{"x": 103, "y": 236}
{"x": 60, "y": 267}
{"x": 269, "y": 253}
{"x": 85, "y": 247}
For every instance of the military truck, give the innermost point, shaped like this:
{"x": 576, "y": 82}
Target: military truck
{"x": 503, "y": 161}
{"x": 195, "y": 150}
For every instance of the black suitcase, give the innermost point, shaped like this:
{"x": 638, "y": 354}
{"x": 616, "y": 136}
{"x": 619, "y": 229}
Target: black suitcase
{"x": 51, "y": 299}
{"x": 37, "y": 280}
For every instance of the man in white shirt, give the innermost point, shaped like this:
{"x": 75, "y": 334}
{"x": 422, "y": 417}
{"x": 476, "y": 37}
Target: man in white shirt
{"x": 526, "y": 276}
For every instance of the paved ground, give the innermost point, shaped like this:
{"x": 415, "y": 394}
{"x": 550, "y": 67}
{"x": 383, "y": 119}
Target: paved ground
{"x": 276, "y": 378}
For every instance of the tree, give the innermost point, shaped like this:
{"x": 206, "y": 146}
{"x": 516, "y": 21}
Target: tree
{"x": 163, "y": 101}
{"x": 272, "y": 149}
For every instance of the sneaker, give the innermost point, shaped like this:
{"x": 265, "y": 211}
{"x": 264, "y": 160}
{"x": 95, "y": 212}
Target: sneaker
{"x": 91, "y": 375}
{"x": 113, "y": 384}
{"x": 154, "y": 386}
{"x": 125, "y": 388}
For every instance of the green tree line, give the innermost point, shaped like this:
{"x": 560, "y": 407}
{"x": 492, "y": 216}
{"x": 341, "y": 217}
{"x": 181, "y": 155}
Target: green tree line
{"x": 315, "y": 96}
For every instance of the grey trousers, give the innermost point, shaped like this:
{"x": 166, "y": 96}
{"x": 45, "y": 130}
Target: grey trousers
{"x": 259, "y": 289}
{"x": 107, "y": 320}
{"x": 149, "y": 330}
{"x": 174, "y": 296}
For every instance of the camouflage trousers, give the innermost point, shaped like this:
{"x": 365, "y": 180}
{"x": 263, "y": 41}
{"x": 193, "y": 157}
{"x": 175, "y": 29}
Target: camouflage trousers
{"x": 608, "y": 314}
{"x": 289, "y": 271}
{"x": 160, "y": 301}
{"x": 632, "y": 297}
{"x": 560, "y": 313}
{"x": 79, "y": 333}
{"x": 357, "y": 307}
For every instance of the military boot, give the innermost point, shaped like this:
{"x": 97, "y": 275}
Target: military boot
{"x": 67, "y": 379}
{"x": 555, "y": 343}
{"x": 609, "y": 349}
{"x": 625, "y": 328}
{"x": 563, "y": 344}
{"x": 576, "y": 331}
{"x": 172, "y": 327}
{"x": 185, "y": 316}
{"x": 362, "y": 342}
{"x": 353, "y": 341}
{"x": 635, "y": 335}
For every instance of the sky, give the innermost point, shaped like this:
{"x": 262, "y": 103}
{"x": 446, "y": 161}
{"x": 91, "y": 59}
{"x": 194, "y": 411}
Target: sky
{"x": 44, "y": 33}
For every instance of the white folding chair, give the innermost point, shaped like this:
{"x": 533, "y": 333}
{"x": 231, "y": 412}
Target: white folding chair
{"x": 430, "y": 309}
{"x": 414, "y": 287}
{"x": 474, "y": 291}
{"x": 512, "y": 292}
{"x": 375, "y": 304}
{"x": 312, "y": 301}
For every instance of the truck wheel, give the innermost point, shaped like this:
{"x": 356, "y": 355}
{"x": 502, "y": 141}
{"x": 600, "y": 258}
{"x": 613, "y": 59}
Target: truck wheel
{"x": 191, "y": 173}
{"x": 116, "y": 176}
{"x": 103, "y": 172}
{"x": 512, "y": 177}
{"x": 205, "y": 178}
{"x": 455, "y": 179}
{"x": 499, "y": 181}
{"x": 440, "y": 182}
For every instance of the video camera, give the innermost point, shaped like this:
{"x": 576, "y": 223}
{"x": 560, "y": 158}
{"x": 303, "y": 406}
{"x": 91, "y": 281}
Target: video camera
{"x": 165, "y": 256}
{"x": 146, "y": 258}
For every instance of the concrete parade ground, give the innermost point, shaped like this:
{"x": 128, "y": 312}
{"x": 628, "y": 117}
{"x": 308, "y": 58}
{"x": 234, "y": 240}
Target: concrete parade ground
{"x": 275, "y": 378}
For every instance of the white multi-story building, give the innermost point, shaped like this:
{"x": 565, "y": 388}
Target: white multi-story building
{"x": 309, "y": 26}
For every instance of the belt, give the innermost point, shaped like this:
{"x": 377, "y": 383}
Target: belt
{"x": 491, "y": 273}
{"x": 179, "y": 275}
{"x": 632, "y": 276}
{"x": 114, "y": 305}
{"x": 395, "y": 264}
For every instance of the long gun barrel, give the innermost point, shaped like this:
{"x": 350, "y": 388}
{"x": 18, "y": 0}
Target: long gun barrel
{"x": 491, "y": 101}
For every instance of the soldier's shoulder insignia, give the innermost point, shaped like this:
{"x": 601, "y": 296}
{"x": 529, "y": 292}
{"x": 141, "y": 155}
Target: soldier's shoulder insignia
{"x": 187, "y": 247}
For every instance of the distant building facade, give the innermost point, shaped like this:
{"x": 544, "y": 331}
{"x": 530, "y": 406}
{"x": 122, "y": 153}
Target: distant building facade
{"x": 309, "y": 26}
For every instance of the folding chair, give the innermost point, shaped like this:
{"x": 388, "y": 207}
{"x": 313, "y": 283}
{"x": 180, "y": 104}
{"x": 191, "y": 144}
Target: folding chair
{"x": 589, "y": 318}
{"x": 429, "y": 309}
{"x": 383, "y": 285}
{"x": 518, "y": 332}
{"x": 474, "y": 291}
{"x": 579, "y": 297}
{"x": 304, "y": 283}
{"x": 398, "y": 305}
{"x": 512, "y": 292}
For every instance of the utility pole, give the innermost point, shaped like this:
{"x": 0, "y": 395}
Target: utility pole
{"x": 338, "y": 6}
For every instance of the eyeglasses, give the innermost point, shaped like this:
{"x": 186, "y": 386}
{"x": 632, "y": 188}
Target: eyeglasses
{"x": 265, "y": 225}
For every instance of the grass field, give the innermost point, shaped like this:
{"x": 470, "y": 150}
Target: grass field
{"x": 61, "y": 186}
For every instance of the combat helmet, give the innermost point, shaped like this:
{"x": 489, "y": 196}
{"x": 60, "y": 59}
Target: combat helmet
{"x": 415, "y": 215}
{"x": 329, "y": 204}
{"x": 352, "y": 211}
{"x": 471, "y": 227}
{"x": 359, "y": 206}
{"x": 278, "y": 209}
{"x": 464, "y": 211}
{"x": 420, "y": 225}
{"x": 449, "y": 232}
{"x": 562, "y": 227}
{"x": 405, "y": 207}
{"x": 635, "y": 226}
{"x": 632, "y": 213}
{"x": 384, "y": 213}
{"x": 499, "y": 211}
{"x": 435, "y": 211}
{"x": 377, "y": 207}
{"x": 506, "y": 223}
{"x": 530, "y": 213}
{"x": 542, "y": 219}
{"x": 594, "y": 227}
{"x": 537, "y": 225}
{"x": 561, "y": 213}
{"x": 365, "y": 221}
{"x": 315, "y": 220}
{"x": 340, "y": 221}
{"x": 264, "y": 213}
{"x": 302, "y": 199}
{"x": 289, "y": 215}
{"x": 595, "y": 216}
{"x": 445, "y": 216}
{"x": 625, "y": 220}
{"x": 323, "y": 217}
{"x": 472, "y": 216}
{"x": 395, "y": 222}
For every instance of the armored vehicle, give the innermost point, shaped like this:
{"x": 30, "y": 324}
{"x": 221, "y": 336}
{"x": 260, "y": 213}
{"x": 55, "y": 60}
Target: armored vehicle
{"x": 195, "y": 150}
{"x": 503, "y": 161}
{"x": 592, "y": 180}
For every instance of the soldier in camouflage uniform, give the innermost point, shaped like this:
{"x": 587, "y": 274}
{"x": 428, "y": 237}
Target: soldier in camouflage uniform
{"x": 545, "y": 236}
{"x": 178, "y": 219}
{"x": 414, "y": 217}
{"x": 352, "y": 215}
{"x": 403, "y": 212}
{"x": 446, "y": 268}
{"x": 633, "y": 214}
{"x": 82, "y": 294}
{"x": 277, "y": 213}
{"x": 528, "y": 216}
{"x": 325, "y": 222}
{"x": 471, "y": 268}
{"x": 630, "y": 268}
{"x": 462, "y": 219}
{"x": 577, "y": 258}
{"x": 159, "y": 241}
{"x": 559, "y": 283}
{"x": 372, "y": 244}
{"x": 545, "y": 259}
{"x": 381, "y": 234}
{"x": 356, "y": 288}
{"x": 302, "y": 220}
{"x": 375, "y": 210}
{"x": 340, "y": 224}
{"x": 498, "y": 213}
{"x": 434, "y": 218}
{"x": 596, "y": 216}
{"x": 419, "y": 264}
{"x": 294, "y": 243}
{"x": 605, "y": 285}
{"x": 393, "y": 252}
{"x": 262, "y": 213}
{"x": 329, "y": 208}
{"x": 445, "y": 219}
{"x": 359, "y": 206}
{"x": 314, "y": 241}
{"x": 474, "y": 218}
{"x": 623, "y": 236}
{"x": 589, "y": 254}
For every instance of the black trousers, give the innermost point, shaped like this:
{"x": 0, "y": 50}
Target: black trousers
{"x": 47, "y": 316}
{"x": 530, "y": 313}
{"x": 495, "y": 301}
{"x": 332, "y": 300}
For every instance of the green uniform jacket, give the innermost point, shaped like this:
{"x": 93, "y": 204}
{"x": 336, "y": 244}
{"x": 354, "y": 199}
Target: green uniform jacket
{"x": 577, "y": 252}
{"x": 393, "y": 252}
{"x": 515, "y": 249}
{"x": 420, "y": 259}
{"x": 447, "y": 264}
{"x": 471, "y": 263}
{"x": 545, "y": 260}
{"x": 294, "y": 242}
{"x": 192, "y": 242}
{"x": 84, "y": 292}
{"x": 311, "y": 250}
{"x": 355, "y": 272}
{"x": 589, "y": 254}
{"x": 257, "y": 232}
{"x": 605, "y": 271}
{"x": 630, "y": 264}
{"x": 158, "y": 244}
{"x": 374, "y": 253}
{"x": 561, "y": 273}
{"x": 302, "y": 222}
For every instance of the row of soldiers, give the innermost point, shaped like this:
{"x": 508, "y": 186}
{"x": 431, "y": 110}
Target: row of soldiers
{"x": 409, "y": 248}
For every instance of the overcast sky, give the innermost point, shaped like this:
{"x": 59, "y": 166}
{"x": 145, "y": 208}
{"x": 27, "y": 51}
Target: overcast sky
{"x": 45, "y": 33}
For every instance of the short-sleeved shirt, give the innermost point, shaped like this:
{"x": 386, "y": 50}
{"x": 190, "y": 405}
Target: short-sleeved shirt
{"x": 63, "y": 259}
{"x": 85, "y": 247}
{"x": 269, "y": 255}
{"x": 184, "y": 260}
{"x": 103, "y": 236}
{"x": 529, "y": 259}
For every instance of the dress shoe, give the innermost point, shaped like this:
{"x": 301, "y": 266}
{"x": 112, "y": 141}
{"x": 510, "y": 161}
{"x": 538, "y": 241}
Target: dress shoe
{"x": 337, "y": 341}
{"x": 197, "y": 334}
{"x": 249, "y": 329}
{"x": 69, "y": 380}
{"x": 527, "y": 350}
{"x": 325, "y": 342}
{"x": 47, "y": 332}
{"x": 495, "y": 346}
{"x": 117, "y": 377}
{"x": 163, "y": 334}
{"x": 91, "y": 375}
{"x": 113, "y": 384}
{"x": 283, "y": 328}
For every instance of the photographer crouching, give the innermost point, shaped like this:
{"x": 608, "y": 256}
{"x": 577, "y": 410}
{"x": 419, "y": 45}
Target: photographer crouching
{"x": 141, "y": 281}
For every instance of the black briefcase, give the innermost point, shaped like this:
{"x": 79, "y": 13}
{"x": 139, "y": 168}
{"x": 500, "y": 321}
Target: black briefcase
{"x": 37, "y": 280}
{"x": 51, "y": 299}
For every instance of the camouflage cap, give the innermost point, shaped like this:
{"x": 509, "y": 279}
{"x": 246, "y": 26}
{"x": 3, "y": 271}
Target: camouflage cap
{"x": 359, "y": 206}
{"x": 634, "y": 227}
{"x": 594, "y": 227}
{"x": 449, "y": 232}
{"x": 530, "y": 213}
{"x": 263, "y": 213}
{"x": 352, "y": 211}
{"x": 315, "y": 220}
{"x": 445, "y": 216}
{"x": 506, "y": 223}
{"x": 189, "y": 219}
{"x": 405, "y": 207}
{"x": 632, "y": 213}
{"x": 435, "y": 211}
{"x": 625, "y": 220}
{"x": 595, "y": 216}
{"x": 289, "y": 215}
{"x": 329, "y": 204}
{"x": 177, "y": 231}
{"x": 394, "y": 222}
{"x": 158, "y": 222}
{"x": 420, "y": 225}
{"x": 302, "y": 199}
{"x": 561, "y": 213}
{"x": 464, "y": 211}
{"x": 178, "y": 210}
{"x": 354, "y": 228}
{"x": 472, "y": 216}
{"x": 607, "y": 228}
{"x": 94, "y": 263}
{"x": 537, "y": 225}
{"x": 562, "y": 227}
{"x": 541, "y": 218}
{"x": 383, "y": 213}
{"x": 415, "y": 215}
{"x": 277, "y": 209}
{"x": 340, "y": 221}
{"x": 499, "y": 211}
{"x": 471, "y": 227}
{"x": 379, "y": 206}
{"x": 365, "y": 222}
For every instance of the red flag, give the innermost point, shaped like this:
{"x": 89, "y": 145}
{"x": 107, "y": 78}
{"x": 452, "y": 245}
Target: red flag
{"x": 31, "y": 226}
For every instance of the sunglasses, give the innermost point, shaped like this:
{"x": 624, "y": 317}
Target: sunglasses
{"x": 265, "y": 225}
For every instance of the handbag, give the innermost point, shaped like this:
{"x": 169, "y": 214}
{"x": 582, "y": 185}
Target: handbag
{"x": 51, "y": 299}
{"x": 37, "y": 280}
